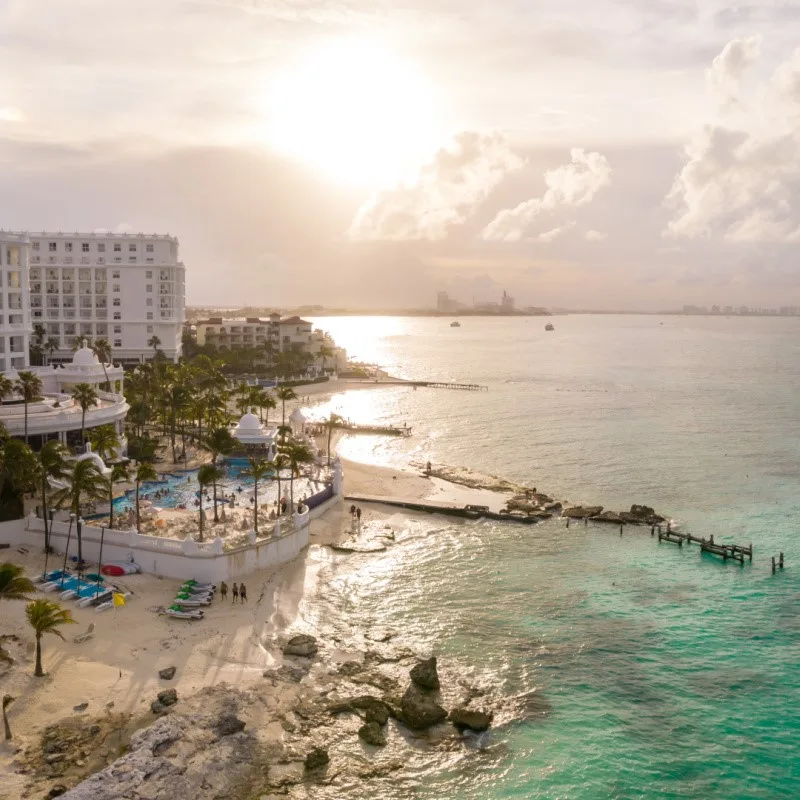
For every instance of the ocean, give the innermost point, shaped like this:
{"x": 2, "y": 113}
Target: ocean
{"x": 618, "y": 667}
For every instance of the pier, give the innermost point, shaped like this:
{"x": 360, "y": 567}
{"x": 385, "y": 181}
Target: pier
{"x": 386, "y": 430}
{"x": 468, "y": 387}
{"x": 472, "y": 512}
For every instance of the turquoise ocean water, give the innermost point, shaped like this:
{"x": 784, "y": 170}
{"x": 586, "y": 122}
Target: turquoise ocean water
{"x": 629, "y": 669}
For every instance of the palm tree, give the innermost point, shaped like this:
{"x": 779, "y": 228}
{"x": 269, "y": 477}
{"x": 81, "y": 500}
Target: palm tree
{"x": 86, "y": 483}
{"x": 144, "y": 472}
{"x": 29, "y": 385}
{"x": 104, "y": 441}
{"x": 50, "y": 346}
{"x": 280, "y": 462}
{"x": 219, "y": 443}
{"x": 6, "y": 387}
{"x": 258, "y": 470}
{"x": 261, "y": 399}
{"x": 325, "y": 353}
{"x": 52, "y": 466}
{"x": 85, "y": 395}
{"x": 7, "y": 701}
{"x": 243, "y": 400}
{"x": 155, "y": 343}
{"x": 284, "y": 432}
{"x": 45, "y": 616}
{"x": 119, "y": 472}
{"x": 18, "y": 475}
{"x": 285, "y": 393}
{"x": 333, "y": 421}
{"x": 297, "y": 453}
{"x": 102, "y": 349}
{"x": 207, "y": 474}
{"x": 13, "y": 583}
{"x": 177, "y": 398}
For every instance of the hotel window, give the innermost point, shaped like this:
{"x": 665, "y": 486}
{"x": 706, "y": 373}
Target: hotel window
{"x": 115, "y": 274}
{"x": 51, "y": 246}
{"x": 149, "y": 301}
{"x": 132, "y": 260}
{"x": 68, "y": 246}
{"x": 149, "y": 328}
{"x": 13, "y": 279}
{"x": 149, "y": 274}
{"x": 115, "y": 286}
{"x": 35, "y": 245}
{"x": 149, "y": 287}
{"x": 101, "y": 248}
{"x": 117, "y": 247}
{"x": 84, "y": 247}
{"x": 149, "y": 315}
{"x": 118, "y": 329}
{"x": 131, "y": 248}
{"x": 117, "y": 315}
{"x": 117, "y": 302}
{"x": 117, "y": 342}
{"x": 149, "y": 248}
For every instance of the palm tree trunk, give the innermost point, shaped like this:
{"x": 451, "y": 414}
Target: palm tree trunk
{"x": 283, "y": 412}
{"x": 278, "y": 478}
{"x": 110, "y": 504}
{"x": 330, "y": 433}
{"x": 26, "y": 422}
{"x": 83, "y": 431}
{"x": 291, "y": 488}
{"x": 200, "y": 539}
{"x": 172, "y": 434}
{"x": 137, "y": 506}
{"x": 216, "y": 515}
{"x": 6, "y": 726}
{"x": 44, "y": 514}
{"x": 255, "y": 515}
{"x": 38, "y": 672}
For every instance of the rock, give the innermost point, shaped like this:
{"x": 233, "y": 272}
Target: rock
{"x": 301, "y": 645}
{"x": 316, "y": 759}
{"x": 581, "y": 512}
{"x": 608, "y": 516}
{"x": 54, "y": 758}
{"x": 157, "y": 708}
{"x": 419, "y": 711}
{"x": 643, "y": 512}
{"x": 464, "y": 719}
{"x": 553, "y": 506}
{"x": 424, "y": 674}
{"x": 372, "y": 733}
{"x": 376, "y": 710}
{"x": 81, "y": 707}
{"x": 167, "y": 674}
{"x": 168, "y": 697}
{"x": 350, "y": 668}
{"x": 57, "y": 790}
{"x": 228, "y": 724}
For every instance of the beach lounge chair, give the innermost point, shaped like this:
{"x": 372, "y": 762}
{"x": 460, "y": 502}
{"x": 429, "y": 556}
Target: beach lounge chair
{"x": 183, "y": 613}
{"x": 85, "y": 636}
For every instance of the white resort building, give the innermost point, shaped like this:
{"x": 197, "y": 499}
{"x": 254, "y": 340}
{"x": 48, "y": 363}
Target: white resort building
{"x": 15, "y": 317}
{"x": 127, "y": 288}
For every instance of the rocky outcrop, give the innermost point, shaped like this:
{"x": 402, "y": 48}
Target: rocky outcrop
{"x": 301, "y": 645}
{"x": 167, "y": 674}
{"x": 608, "y": 516}
{"x": 316, "y": 759}
{"x": 425, "y": 675}
{"x": 581, "y": 512}
{"x": 419, "y": 711}
{"x": 372, "y": 733}
{"x": 228, "y": 724}
{"x": 375, "y": 710}
{"x": 168, "y": 697}
{"x": 642, "y": 515}
{"x": 465, "y": 719}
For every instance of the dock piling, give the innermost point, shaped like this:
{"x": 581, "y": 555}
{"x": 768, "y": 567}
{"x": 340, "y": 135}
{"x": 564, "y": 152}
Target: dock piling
{"x": 780, "y": 560}
{"x": 773, "y": 565}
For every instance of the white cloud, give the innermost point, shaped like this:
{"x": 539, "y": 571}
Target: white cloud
{"x": 727, "y": 69}
{"x": 595, "y": 236}
{"x": 11, "y": 114}
{"x": 741, "y": 180}
{"x": 549, "y": 236}
{"x": 570, "y": 185}
{"x": 446, "y": 191}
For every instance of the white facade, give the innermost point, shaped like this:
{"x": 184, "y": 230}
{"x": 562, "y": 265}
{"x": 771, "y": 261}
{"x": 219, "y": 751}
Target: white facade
{"x": 126, "y": 288}
{"x": 15, "y": 319}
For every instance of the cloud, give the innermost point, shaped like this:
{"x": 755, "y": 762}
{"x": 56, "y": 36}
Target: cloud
{"x": 570, "y": 185}
{"x": 445, "y": 193}
{"x": 725, "y": 74}
{"x": 741, "y": 178}
{"x": 595, "y": 236}
{"x": 553, "y": 234}
{"x": 11, "y": 114}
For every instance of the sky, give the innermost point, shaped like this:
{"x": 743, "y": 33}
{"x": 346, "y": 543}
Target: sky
{"x": 606, "y": 154}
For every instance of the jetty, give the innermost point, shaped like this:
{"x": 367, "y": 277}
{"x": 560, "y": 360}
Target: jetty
{"x": 468, "y": 387}
{"x": 472, "y": 512}
{"x": 386, "y": 430}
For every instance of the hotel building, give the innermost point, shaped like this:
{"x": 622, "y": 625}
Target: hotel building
{"x": 15, "y": 319}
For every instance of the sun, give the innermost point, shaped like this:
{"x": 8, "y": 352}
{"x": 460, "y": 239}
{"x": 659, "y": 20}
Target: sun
{"x": 353, "y": 110}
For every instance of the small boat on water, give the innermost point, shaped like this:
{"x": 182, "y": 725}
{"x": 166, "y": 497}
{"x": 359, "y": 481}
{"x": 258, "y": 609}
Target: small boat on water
{"x": 455, "y": 324}
{"x": 549, "y": 327}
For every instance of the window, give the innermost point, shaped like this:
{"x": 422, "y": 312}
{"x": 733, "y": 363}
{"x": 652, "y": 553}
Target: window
{"x": 149, "y": 248}
{"x": 51, "y": 246}
{"x": 115, "y": 286}
{"x": 149, "y": 301}
{"x": 13, "y": 279}
{"x": 118, "y": 329}
{"x": 101, "y": 248}
{"x": 68, "y": 246}
{"x": 117, "y": 342}
{"x": 115, "y": 274}
{"x": 149, "y": 315}
{"x": 149, "y": 287}
{"x": 84, "y": 247}
{"x": 117, "y": 247}
{"x": 117, "y": 315}
{"x": 117, "y": 302}
{"x": 35, "y": 245}
{"x": 149, "y": 274}
{"x": 149, "y": 328}
{"x": 131, "y": 248}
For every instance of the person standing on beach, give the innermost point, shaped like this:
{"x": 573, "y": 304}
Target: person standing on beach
{"x": 223, "y": 590}
{"x": 243, "y": 593}
{"x": 358, "y": 516}
{"x": 235, "y": 592}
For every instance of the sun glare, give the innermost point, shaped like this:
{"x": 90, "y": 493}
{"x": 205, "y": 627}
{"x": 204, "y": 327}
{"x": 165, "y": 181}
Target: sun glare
{"x": 353, "y": 110}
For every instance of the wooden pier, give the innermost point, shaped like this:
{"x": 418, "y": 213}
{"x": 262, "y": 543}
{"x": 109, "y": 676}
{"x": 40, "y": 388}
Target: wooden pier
{"x": 737, "y": 552}
{"x": 468, "y": 387}
{"x": 386, "y": 430}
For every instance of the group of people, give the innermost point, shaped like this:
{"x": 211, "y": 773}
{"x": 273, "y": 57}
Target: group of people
{"x": 238, "y": 592}
{"x": 355, "y": 516}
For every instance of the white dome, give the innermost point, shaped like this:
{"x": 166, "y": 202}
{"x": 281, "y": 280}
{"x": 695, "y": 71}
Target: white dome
{"x": 84, "y": 358}
{"x": 297, "y": 416}
{"x": 249, "y": 422}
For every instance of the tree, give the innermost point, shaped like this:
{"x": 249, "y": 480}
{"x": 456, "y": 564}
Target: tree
{"x": 102, "y": 349}
{"x": 297, "y": 453}
{"x": 14, "y": 585}
{"x": 85, "y": 395}
{"x": 261, "y": 399}
{"x": 155, "y": 343}
{"x": 119, "y": 472}
{"x": 7, "y": 701}
{"x": 325, "y": 352}
{"x": 280, "y": 462}
{"x": 29, "y": 385}
{"x": 208, "y": 474}
{"x": 45, "y": 616}
{"x": 144, "y": 472}
{"x": 52, "y": 466}
{"x": 104, "y": 441}
{"x": 219, "y": 443}
{"x": 285, "y": 393}
{"x": 18, "y": 475}
{"x": 333, "y": 421}
{"x": 177, "y": 398}
{"x": 86, "y": 484}
{"x": 243, "y": 397}
{"x": 258, "y": 470}
{"x": 6, "y": 387}
{"x": 50, "y": 346}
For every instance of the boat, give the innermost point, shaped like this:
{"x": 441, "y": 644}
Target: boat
{"x": 455, "y": 324}
{"x": 549, "y": 327}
